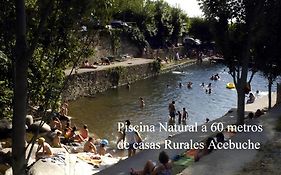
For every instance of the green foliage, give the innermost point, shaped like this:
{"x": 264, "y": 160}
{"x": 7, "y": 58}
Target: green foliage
{"x": 102, "y": 11}
{"x": 234, "y": 29}
{"x": 136, "y": 36}
{"x": 159, "y": 23}
{"x": 5, "y": 91}
{"x": 61, "y": 43}
{"x": 200, "y": 29}
{"x": 55, "y": 42}
{"x": 179, "y": 22}
{"x": 115, "y": 74}
{"x": 156, "y": 66}
{"x": 268, "y": 44}
{"x": 115, "y": 35}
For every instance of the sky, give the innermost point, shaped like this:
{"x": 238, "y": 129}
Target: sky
{"x": 191, "y": 7}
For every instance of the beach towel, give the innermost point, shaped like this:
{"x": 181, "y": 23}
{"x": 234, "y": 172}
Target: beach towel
{"x": 184, "y": 161}
{"x": 90, "y": 158}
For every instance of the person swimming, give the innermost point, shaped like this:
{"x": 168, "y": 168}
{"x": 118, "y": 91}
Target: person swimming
{"x": 180, "y": 85}
{"x": 189, "y": 85}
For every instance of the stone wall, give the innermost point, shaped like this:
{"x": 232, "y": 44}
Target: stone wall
{"x": 162, "y": 53}
{"x": 90, "y": 83}
{"x": 104, "y": 47}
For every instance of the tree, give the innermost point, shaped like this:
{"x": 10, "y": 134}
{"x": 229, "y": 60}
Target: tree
{"x": 162, "y": 19}
{"x": 20, "y": 91}
{"x": 200, "y": 29}
{"x": 268, "y": 44}
{"x": 179, "y": 22}
{"x": 235, "y": 27}
{"x": 49, "y": 41}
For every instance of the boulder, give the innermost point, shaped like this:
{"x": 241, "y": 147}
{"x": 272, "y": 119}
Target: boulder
{"x": 34, "y": 127}
{"x": 29, "y": 120}
{"x": 5, "y": 128}
{"x": 45, "y": 168}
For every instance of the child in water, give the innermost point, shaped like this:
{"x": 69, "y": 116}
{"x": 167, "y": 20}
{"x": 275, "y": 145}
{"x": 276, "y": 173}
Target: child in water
{"x": 179, "y": 117}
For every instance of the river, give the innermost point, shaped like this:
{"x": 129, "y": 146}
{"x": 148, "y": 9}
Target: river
{"x": 102, "y": 113}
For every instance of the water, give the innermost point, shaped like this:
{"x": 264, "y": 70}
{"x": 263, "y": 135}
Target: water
{"x": 102, "y": 113}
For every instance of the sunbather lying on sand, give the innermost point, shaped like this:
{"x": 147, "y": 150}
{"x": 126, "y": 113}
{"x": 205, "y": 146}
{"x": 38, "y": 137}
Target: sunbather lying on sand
{"x": 207, "y": 149}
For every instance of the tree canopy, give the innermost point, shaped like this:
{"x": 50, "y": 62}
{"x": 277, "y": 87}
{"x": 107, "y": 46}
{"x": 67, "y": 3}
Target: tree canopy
{"x": 242, "y": 31}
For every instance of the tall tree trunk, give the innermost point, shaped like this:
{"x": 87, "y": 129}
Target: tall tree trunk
{"x": 269, "y": 90}
{"x": 240, "y": 105}
{"x": 20, "y": 92}
{"x": 241, "y": 85}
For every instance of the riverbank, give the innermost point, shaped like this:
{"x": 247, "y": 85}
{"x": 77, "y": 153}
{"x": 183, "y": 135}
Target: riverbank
{"x": 210, "y": 162}
{"x": 221, "y": 162}
{"x": 86, "y": 82}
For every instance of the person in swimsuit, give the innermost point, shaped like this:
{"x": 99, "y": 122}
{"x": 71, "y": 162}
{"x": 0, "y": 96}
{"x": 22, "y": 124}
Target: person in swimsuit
{"x": 56, "y": 141}
{"x": 172, "y": 110}
{"x": 164, "y": 167}
{"x": 184, "y": 114}
{"x": 89, "y": 146}
{"x": 45, "y": 147}
{"x": 142, "y": 104}
{"x": 84, "y": 132}
{"x": 131, "y": 137}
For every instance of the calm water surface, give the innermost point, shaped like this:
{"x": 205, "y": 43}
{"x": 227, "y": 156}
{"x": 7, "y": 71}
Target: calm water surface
{"x": 103, "y": 112}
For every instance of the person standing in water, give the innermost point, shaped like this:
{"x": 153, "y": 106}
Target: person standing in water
{"x": 184, "y": 114}
{"x": 172, "y": 110}
{"x": 131, "y": 137}
{"x": 142, "y": 104}
{"x": 179, "y": 117}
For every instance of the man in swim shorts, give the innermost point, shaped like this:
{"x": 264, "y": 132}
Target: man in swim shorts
{"x": 172, "y": 110}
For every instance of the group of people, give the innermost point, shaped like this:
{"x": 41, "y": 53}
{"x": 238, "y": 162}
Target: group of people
{"x": 182, "y": 116}
{"x": 215, "y": 77}
{"x": 62, "y": 133}
{"x": 251, "y": 98}
{"x": 188, "y": 85}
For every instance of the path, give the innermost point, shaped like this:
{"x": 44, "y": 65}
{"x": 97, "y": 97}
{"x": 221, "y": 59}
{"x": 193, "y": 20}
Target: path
{"x": 129, "y": 62}
{"x": 221, "y": 162}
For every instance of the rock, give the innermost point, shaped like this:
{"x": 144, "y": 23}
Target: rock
{"x": 9, "y": 171}
{"x": 42, "y": 168}
{"x": 3, "y": 168}
{"x": 29, "y": 120}
{"x": 35, "y": 126}
{"x": 5, "y": 128}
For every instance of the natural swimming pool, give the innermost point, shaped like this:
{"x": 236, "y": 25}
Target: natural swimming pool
{"x": 103, "y": 112}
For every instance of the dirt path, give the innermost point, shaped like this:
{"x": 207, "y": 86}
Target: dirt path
{"x": 267, "y": 161}
{"x": 129, "y": 62}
